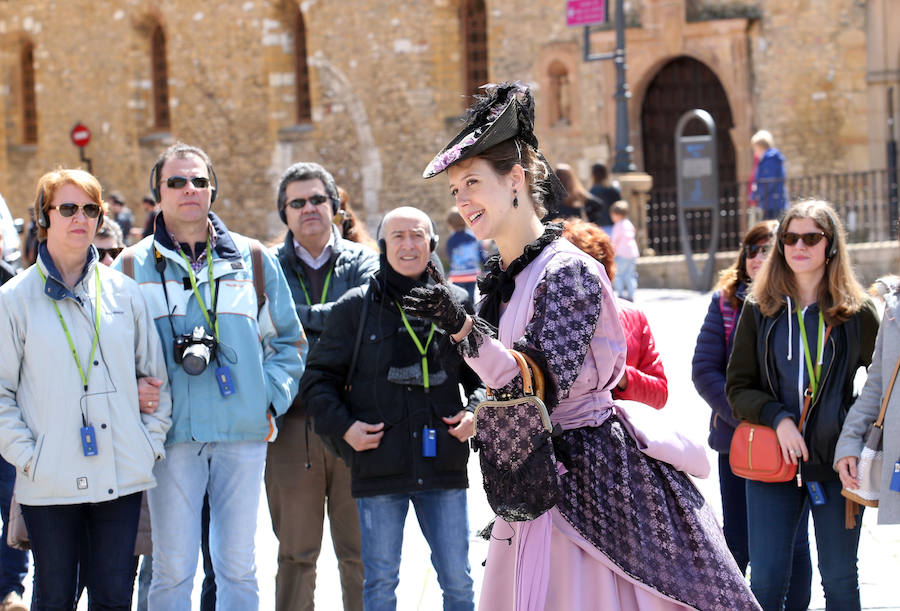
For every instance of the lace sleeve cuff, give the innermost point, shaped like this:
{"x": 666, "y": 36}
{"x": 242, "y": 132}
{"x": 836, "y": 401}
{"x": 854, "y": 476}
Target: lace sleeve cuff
{"x": 481, "y": 331}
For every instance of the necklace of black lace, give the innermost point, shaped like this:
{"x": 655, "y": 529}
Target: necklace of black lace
{"x": 497, "y": 285}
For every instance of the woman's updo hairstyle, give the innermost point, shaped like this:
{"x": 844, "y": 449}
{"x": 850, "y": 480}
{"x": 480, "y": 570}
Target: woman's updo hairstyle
{"x": 507, "y": 154}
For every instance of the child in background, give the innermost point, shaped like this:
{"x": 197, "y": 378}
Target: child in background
{"x": 626, "y": 249}
{"x": 464, "y": 253}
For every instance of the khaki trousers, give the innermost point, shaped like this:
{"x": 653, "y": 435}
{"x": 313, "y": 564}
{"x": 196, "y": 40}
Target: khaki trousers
{"x": 298, "y": 498}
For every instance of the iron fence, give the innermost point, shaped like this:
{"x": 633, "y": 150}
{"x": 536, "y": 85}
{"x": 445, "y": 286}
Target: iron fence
{"x": 861, "y": 198}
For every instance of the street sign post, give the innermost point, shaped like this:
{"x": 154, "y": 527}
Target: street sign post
{"x": 81, "y": 137}
{"x": 585, "y": 12}
{"x": 697, "y": 167}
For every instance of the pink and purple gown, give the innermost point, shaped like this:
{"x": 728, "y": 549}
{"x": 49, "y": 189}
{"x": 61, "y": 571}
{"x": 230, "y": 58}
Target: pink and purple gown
{"x": 629, "y": 531}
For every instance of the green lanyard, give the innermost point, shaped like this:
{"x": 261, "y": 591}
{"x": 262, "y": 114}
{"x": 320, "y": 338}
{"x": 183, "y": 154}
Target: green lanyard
{"x": 324, "y": 289}
{"x": 212, "y": 287}
{"x": 422, "y": 350}
{"x": 814, "y": 372}
{"x": 84, "y": 378}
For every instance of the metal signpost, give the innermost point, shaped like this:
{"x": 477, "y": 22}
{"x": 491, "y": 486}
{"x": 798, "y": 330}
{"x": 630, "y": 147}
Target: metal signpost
{"x": 586, "y": 13}
{"x": 81, "y": 137}
{"x": 697, "y": 165}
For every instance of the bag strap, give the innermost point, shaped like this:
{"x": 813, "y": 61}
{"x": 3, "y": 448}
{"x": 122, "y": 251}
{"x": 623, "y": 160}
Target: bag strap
{"x": 887, "y": 395}
{"x": 259, "y": 279}
{"x": 359, "y": 333}
{"x": 128, "y": 262}
{"x": 808, "y": 395}
{"x": 527, "y": 366}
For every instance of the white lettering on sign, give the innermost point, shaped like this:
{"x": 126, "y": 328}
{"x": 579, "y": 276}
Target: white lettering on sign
{"x": 695, "y": 168}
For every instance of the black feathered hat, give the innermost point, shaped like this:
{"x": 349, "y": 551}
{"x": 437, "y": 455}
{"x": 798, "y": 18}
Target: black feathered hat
{"x": 505, "y": 111}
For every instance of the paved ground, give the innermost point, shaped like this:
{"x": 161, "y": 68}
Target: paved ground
{"x": 675, "y": 317}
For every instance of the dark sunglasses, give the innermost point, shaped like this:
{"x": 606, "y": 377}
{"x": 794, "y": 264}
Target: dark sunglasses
{"x": 315, "y": 200}
{"x": 178, "y": 182}
{"x": 754, "y": 249}
{"x": 112, "y": 252}
{"x": 68, "y": 209}
{"x": 810, "y": 239}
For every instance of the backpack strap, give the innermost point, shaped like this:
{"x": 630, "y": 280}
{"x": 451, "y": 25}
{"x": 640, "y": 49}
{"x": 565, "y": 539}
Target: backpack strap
{"x": 128, "y": 262}
{"x": 259, "y": 274}
{"x": 359, "y": 333}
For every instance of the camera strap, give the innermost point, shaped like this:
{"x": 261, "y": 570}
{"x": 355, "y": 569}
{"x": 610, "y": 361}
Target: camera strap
{"x": 209, "y": 315}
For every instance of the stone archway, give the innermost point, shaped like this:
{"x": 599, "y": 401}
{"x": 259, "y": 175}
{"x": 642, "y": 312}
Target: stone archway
{"x": 682, "y": 84}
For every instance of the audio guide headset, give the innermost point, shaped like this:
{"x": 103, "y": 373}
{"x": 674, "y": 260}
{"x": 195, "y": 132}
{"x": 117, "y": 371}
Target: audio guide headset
{"x": 432, "y": 243}
{"x": 157, "y": 168}
{"x": 43, "y": 219}
{"x": 830, "y": 248}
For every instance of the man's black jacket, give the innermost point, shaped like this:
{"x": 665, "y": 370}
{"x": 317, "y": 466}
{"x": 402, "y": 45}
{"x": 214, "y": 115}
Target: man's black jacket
{"x": 397, "y": 465}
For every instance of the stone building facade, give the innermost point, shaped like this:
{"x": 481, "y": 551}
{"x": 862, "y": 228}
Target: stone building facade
{"x": 372, "y": 88}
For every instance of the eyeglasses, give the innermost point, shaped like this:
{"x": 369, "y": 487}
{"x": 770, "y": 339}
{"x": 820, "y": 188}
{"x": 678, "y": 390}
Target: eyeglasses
{"x": 91, "y": 210}
{"x": 112, "y": 252}
{"x": 810, "y": 239}
{"x": 315, "y": 200}
{"x": 178, "y": 182}
{"x": 755, "y": 249}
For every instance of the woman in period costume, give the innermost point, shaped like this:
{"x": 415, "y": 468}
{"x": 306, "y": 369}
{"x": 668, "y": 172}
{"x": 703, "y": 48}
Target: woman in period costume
{"x": 628, "y": 531}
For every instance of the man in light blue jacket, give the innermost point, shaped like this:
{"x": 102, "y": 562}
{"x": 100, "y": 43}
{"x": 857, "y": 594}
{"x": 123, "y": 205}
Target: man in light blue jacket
{"x": 234, "y": 354}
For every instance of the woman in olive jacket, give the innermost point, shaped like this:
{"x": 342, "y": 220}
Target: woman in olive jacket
{"x": 778, "y": 346}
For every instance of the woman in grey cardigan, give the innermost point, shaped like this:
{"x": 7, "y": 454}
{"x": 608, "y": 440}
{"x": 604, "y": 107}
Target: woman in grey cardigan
{"x": 865, "y": 410}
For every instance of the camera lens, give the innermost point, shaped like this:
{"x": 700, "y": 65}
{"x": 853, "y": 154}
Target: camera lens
{"x": 195, "y": 359}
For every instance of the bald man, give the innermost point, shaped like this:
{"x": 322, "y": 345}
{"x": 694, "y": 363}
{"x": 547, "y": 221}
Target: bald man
{"x": 401, "y": 414}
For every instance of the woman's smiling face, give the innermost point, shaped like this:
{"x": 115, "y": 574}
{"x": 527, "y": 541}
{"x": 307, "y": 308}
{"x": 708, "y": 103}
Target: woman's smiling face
{"x": 483, "y": 197}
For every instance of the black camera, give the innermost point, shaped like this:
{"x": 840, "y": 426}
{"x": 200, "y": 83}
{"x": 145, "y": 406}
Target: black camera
{"x": 194, "y": 350}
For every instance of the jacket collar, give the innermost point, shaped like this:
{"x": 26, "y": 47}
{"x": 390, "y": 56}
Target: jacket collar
{"x": 289, "y": 255}
{"x": 225, "y": 246}
{"x": 54, "y": 287}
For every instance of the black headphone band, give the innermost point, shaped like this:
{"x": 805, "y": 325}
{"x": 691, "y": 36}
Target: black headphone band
{"x": 432, "y": 243}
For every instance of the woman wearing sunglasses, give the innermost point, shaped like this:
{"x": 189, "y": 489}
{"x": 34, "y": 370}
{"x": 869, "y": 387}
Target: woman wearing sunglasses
{"x": 714, "y": 345}
{"x": 108, "y": 241}
{"x": 78, "y": 335}
{"x": 805, "y": 331}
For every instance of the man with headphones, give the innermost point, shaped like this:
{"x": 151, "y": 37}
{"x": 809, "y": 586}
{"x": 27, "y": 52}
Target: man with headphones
{"x": 302, "y": 477}
{"x": 233, "y": 360}
{"x": 376, "y": 379}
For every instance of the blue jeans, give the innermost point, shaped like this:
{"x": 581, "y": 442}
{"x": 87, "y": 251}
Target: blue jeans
{"x": 231, "y": 472}
{"x": 734, "y": 518}
{"x": 774, "y": 513}
{"x": 443, "y": 518}
{"x": 57, "y": 534}
{"x": 625, "y": 282}
{"x": 13, "y": 562}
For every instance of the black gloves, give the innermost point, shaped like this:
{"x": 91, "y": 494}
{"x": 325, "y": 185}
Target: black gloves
{"x": 436, "y": 303}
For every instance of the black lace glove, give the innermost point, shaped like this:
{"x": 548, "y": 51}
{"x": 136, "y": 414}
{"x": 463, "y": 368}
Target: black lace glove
{"x": 436, "y": 303}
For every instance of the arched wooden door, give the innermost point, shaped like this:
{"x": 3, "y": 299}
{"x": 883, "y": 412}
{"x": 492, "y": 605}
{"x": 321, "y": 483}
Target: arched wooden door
{"x": 681, "y": 85}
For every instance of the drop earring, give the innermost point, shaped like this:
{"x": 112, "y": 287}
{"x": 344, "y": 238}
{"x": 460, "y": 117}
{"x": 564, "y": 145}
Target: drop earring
{"x": 515, "y": 199}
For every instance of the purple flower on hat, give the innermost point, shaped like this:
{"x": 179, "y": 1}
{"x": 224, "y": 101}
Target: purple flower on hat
{"x": 452, "y": 154}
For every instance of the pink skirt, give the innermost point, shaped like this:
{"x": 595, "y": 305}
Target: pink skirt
{"x": 581, "y": 576}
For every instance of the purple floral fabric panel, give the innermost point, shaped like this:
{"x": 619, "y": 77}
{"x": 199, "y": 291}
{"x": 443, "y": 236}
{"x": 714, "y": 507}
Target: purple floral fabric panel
{"x": 567, "y": 304}
{"x": 650, "y": 520}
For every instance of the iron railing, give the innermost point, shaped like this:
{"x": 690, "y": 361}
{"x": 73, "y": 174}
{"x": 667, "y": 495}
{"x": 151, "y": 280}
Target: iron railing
{"x": 861, "y": 198}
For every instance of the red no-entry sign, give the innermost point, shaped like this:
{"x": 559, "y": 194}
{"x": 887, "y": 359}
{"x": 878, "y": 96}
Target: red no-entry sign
{"x": 81, "y": 135}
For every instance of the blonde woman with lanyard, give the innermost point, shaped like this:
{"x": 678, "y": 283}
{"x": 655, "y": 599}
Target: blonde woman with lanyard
{"x": 806, "y": 328}
{"x": 83, "y": 449}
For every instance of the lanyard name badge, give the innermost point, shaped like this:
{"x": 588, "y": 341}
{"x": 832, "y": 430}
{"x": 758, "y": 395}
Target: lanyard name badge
{"x": 429, "y": 434}
{"x": 88, "y": 438}
{"x": 816, "y": 492}
{"x": 223, "y": 373}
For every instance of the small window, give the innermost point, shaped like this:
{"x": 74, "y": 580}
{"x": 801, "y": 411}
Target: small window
{"x": 475, "y": 48}
{"x": 304, "y": 105}
{"x": 161, "y": 117}
{"x": 29, "y": 98}
{"x": 560, "y": 95}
